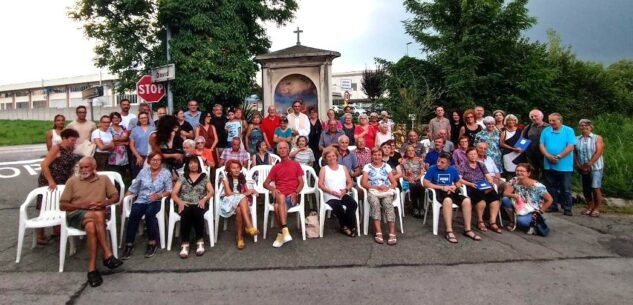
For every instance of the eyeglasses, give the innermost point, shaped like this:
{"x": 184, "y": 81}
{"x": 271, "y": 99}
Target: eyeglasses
{"x": 200, "y": 142}
{"x": 155, "y": 160}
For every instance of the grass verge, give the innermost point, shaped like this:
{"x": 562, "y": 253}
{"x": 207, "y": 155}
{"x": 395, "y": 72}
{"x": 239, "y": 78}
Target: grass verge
{"x": 20, "y": 132}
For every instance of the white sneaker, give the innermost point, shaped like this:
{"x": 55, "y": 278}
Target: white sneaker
{"x": 286, "y": 234}
{"x": 279, "y": 241}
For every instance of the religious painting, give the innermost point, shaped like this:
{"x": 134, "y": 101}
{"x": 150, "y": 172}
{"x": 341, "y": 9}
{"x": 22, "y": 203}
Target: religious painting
{"x": 294, "y": 87}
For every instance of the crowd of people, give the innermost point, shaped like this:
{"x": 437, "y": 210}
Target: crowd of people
{"x": 480, "y": 163}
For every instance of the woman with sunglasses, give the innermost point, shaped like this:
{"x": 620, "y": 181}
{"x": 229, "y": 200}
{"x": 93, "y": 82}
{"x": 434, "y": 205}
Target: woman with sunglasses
{"x": 470, "y": 128}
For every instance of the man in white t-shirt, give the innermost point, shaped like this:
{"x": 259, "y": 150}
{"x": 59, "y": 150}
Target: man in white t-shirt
{"x": 126, "y": 116}
{"x": 479, "y": 116}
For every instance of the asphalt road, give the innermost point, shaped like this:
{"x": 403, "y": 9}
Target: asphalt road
{"x": 584, "y": 261}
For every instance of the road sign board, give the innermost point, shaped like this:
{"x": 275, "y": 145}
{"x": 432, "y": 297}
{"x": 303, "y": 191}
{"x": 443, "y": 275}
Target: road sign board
{"x": 149, "y": 91}
{"x": 164, "y": 73}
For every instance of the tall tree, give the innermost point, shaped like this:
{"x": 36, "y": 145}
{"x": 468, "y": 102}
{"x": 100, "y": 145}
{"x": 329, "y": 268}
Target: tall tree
{"x": 213, "y": 41}
{"x": 373, "y": 83}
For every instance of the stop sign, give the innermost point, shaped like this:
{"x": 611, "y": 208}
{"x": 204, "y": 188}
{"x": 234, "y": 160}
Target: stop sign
{"x": 148, "y": 91}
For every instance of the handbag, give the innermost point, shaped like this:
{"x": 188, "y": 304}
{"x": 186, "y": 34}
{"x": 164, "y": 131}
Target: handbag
{"x": 540, "y": 226}
{"x": 312, "y": 226}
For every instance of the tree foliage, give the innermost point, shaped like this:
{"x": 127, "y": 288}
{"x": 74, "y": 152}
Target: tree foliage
{"x": 373, "y": 82}
{"x": 213, "y": 42}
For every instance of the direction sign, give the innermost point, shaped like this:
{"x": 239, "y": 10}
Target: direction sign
{"x": 164, "y": 73}
{"x": 149, "y": 91}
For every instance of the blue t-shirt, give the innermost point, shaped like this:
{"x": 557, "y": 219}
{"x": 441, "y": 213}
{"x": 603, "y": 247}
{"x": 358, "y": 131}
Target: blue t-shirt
{"x": 432, "y": 156}
{"x": 555, "y": 143}
{"x": 448, "y": 176}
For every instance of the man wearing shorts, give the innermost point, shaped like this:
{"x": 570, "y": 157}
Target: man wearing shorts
{"x": 287, "y": 176}
{"x": 444, "y": 179}
{"x": 85, "y": 199}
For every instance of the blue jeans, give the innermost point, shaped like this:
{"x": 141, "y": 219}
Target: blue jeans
{"x": 523, "y": 221}
{"x": 149, "y": 210}
{"x": 559, "y": 186}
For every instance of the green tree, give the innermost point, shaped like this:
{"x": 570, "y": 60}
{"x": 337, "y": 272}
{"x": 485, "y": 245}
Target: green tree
{"x": 373, "y": 83}
{"x": 213, "y": 42}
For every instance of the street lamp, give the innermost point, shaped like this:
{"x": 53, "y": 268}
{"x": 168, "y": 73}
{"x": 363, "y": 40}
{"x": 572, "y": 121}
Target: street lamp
{"x": 408, "y": 43}
{"x": 412, "y": 118}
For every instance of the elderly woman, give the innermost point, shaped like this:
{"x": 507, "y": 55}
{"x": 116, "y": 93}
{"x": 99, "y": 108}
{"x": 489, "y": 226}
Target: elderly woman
{"x": 335, "y": 182}
{"x": 381, "y": 186}
{"x": 491, "y": 136}
{"x": 509, "y": 136}
{"x": 363, "y": 154}
{"x": 301, "y": 152}
{"x": 331, "y": 116}
{"x": 525, "y": 197}
{"x": 139, "y": 142}
{"x": 207, "y": 154}
{"x": 589, "y": 161}
{"x": 365, "y": 131}
{"x": 459, "y": 154}
{"x": 191, "y": 194}
{"x": 150, "y": 186}
{"x": 472, "y": 174}
{"x": 348, "y": 128}
{"x": 57, "y": 167}
{"x": 412, "y": 169}
{"x": 103, "y": 139}
{"x": 470, "y": 128}
{"x": 499, "y": 116}
{"x": 383, "y": 135}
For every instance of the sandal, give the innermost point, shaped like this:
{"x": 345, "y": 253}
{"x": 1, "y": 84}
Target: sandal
{"x": 482, "y": 226}
{"x": 472, "y": 235}
{"x": 252, "y": 231}
{"x": 587, "y": 212}
{"x": 240, "y": 244}
{"x": 392, "y": 241}
{"x": 495, "y": 228}
{"x": 184, "y": 251}
{"x": 378, "y": 238}
{"x": 347, "y": 231}
{"x": 354, "y": 232}
{"x": 200, "y": 248}
{"x": 450, "y": 237}
{"x": 595, "y": 214}
{"x": 511, "y": 226}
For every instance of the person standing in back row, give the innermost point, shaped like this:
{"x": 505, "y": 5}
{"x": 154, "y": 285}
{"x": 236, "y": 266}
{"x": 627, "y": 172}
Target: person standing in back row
{"x": 81, "y": 125}
{"x": 438, "y": 123}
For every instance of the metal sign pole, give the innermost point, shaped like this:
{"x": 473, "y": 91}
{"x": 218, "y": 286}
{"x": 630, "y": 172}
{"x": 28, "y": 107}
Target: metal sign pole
{"x": 170, "y": 97}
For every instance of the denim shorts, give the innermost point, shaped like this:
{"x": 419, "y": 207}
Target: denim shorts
{"x": 592, "y": 180}
{"x": 289, "y": 202}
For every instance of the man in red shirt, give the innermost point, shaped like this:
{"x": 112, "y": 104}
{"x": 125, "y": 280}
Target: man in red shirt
{"x": 288, "y": 178}
{"x": 270, "y": 122}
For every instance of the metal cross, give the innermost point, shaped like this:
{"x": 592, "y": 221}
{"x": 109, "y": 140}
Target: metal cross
{"x": 298, "y": 31}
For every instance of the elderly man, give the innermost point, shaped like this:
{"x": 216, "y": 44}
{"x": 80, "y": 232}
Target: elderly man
{"x": 439, "y": 122}
{"x": 432, "y": 155}
{"x": 298, "y": 122}
{"x": 270, "y": 122}
{"x": 491, "y": 166}
{"x": 126, "y": 116}
{"x": 331, "y": 136}
{"x": 192, "y": 116}
{"x": 479, "y": 116}
{"x": 444, "y": 179}
{"x": 533, "y": 133}
{"x": 362, "y": 152}
{"x": 557, "y": 146}
{"x": 412, "y": 140}
{"x": 287, "y": 176}
{"x": 160, "y": 112}
{"x": 235, "y": 153}
{"x": 448, "y": 145}
{"x": 85, "y": 199}
{"x": 348, "y": 158}
{"x": 384, "y": 115}
{"x": 81, "y": 125}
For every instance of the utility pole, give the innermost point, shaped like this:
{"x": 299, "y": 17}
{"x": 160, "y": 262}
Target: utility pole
{"x": 170, "y": 97}
{"x": 408, "y": 43}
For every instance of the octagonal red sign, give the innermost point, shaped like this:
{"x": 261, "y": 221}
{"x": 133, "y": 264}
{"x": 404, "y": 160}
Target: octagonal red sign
{"x": 148, "y": 91}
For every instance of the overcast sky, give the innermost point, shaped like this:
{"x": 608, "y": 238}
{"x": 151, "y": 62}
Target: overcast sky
{"x": 40, "y": 42}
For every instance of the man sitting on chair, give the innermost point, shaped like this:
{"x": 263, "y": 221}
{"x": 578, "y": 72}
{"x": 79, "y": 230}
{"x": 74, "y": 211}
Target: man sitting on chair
{"x": 85, "y": 198}
{"x": 236, "y": 152}
{"x": 444, "y": 179}
{"x": 288, "y": 178}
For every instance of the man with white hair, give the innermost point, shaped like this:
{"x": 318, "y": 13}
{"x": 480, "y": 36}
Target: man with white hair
{"x": 557, "y": 146}
{"x": 85, "y": 199}
{"x": 348, "y": 158}
{"x": 533, "y": 133}
{"x": 386, "y": 120}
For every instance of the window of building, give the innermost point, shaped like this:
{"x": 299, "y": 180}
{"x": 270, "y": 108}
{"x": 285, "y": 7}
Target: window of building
{"x": 354, "y": 86}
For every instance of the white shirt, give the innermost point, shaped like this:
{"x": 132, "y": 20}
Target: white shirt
{"x": 299, "y": 123}
{"x": 105, "y": 136}
{"x": 125, "y": 120}
{"x": 335, "y": 180}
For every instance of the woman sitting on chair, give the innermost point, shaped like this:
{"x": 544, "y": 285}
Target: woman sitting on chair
{"x": 150, "y": 186}
{"x": 335, "y": 182}
{"x": 381, "y": 186}
{"x": 412, "y": 171}
{"x": 525, "y": 197}
{"x": 235, "y": 201}
{"x": 191, "y": 195}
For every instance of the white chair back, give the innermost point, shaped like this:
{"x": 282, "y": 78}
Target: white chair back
{"x": 115, "y": 178}
{"x": 274, "y": 159}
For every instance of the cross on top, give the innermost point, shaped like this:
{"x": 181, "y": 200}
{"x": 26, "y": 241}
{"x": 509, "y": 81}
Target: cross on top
{"x": 298, "y": 31}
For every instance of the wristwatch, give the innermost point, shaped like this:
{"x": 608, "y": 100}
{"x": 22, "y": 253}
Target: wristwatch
{"x": 557, "y": 157}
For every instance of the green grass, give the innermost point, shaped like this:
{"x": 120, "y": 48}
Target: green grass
{"x": 18, "y": 132}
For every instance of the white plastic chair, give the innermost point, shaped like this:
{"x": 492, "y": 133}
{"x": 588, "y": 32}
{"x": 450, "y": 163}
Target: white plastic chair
{"x": 366, "y": 209}
{"x": 403, "y": 194}
{"x": 219, "y": 191}
{"x": 261, "y": 171}
{"x": 430, "y": 196}
{"x": 274, "y": 159}
{"x": 174, "y": 218}
{"x": 116, "y": 178}
{"x": 160, "y": 217}
{"x": 465, "y": 193}
{"x": 324, "y": 207}
{"x": 50, "y": 214}
{"x": 308, "y": 172}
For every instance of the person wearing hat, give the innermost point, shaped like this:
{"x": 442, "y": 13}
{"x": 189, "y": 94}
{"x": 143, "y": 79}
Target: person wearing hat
{"x": 386, "y": 120}
{"x": 590, "y": 163}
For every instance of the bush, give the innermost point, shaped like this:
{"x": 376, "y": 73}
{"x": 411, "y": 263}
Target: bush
{"x": 616, "y": 131}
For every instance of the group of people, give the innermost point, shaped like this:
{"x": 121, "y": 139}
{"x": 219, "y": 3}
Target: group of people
{"x": 176, "y": 157}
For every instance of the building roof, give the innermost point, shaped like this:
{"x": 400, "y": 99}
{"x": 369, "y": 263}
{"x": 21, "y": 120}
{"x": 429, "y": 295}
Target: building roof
{"x": 297, "y": 51}
{"x": 58, "y": 82}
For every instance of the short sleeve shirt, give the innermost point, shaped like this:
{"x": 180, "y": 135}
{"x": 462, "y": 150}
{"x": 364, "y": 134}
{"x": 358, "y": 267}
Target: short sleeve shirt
{"x": 532, "y": 196}
{"x": 286, "y": 176}
{"x": 349, "y": 160}
{"x": 377, "y": 176}
{"x": 555, "y": 143}
{"x": 106, "y": 138}
{"x": 472, "y": 174}
{"x": 143, "y": 185}
{"x": 448, "y": 176}
{"x": 304, "y": 157}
